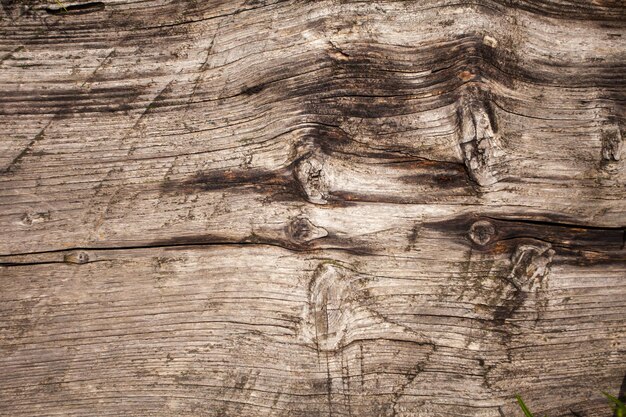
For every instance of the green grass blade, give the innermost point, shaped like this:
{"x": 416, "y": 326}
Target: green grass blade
{"x": 615, "y": 400}
{"x": 61, "y": 5}
{"x": 525, "y": 409}
{"x": 620, "y": 407}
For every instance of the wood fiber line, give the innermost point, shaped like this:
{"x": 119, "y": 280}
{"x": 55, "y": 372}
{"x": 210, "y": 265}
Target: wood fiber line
{"x": 296, "y": 208}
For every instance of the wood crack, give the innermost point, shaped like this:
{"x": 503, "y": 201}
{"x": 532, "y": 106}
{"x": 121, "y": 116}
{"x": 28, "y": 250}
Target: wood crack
{"x": 556, "y": 223}
{"x": 178, "y": 243}
{"x": 81, "y": 8}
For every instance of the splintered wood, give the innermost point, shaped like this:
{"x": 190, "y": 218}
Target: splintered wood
{"x": 312, "y": 208}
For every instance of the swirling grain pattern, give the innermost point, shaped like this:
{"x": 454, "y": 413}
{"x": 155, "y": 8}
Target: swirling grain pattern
{"x": 312, "y": 208}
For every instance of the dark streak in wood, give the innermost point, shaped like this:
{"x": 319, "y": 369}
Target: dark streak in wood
{"x": 81, "y": 8}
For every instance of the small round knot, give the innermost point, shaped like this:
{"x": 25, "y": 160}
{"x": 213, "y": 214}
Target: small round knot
{"x": 31, "y": 217}
{"x": 79, "y": 257}
{"x": 481, "y": 232}
{"x": 301, "y": 230}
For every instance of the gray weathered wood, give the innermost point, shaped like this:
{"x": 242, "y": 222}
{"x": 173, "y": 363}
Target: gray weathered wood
{"x": 285, "y": 208}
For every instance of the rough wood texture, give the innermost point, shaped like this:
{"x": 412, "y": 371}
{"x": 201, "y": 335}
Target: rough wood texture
{"x": 325, "y": 208}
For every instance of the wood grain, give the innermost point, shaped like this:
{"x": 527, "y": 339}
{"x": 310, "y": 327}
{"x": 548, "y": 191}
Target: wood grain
{"x": 285, "y": 208}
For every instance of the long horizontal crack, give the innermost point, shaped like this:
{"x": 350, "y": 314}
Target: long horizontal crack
{"x": 556, "y": 224}
{"x": 190, "y": 243}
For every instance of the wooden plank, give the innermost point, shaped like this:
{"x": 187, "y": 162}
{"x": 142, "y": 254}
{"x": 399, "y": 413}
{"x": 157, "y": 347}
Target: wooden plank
{"x": 182, "y": 331}
{"x": 382, "y": 121}
{"x": 285, "y": 208}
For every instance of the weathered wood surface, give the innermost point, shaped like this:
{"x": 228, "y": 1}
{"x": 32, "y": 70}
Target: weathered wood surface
{"x": 326, "y": 208}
